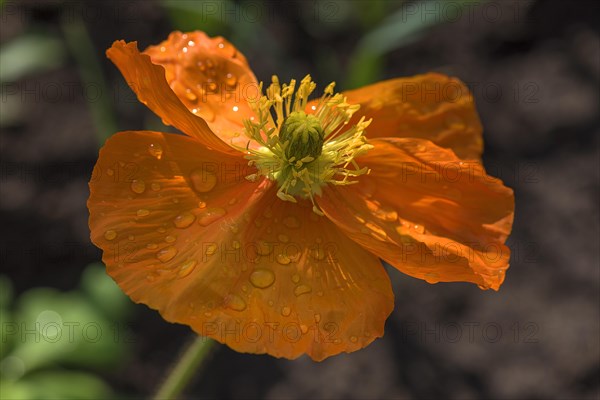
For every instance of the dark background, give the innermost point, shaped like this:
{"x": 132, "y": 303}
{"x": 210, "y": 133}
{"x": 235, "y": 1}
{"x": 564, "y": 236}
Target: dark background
{"x": 534, "y": 69}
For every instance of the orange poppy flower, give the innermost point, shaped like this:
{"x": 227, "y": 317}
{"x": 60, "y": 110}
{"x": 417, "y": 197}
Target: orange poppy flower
{"x": 264, "y": 227}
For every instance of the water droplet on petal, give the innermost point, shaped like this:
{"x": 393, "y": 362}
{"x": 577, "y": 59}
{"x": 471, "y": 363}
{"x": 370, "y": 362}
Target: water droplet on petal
{"x": 190, "y": 95}
{"x": 419, "y": 228}
{"x": 286, "y": 311}
{"x": 184, "y": 220}
{"x": 138, "y": 186}
{"x": 291, "y": 222}
{"x": 155, "y": 150}
{"x": 211, "y": 249}
{"x": 203, "y": 181}
{"x": 235, "y": 302}
{"x": 201, "y": 204}
{"x": 210, "y": 215}
{"x": 230, "y": 80}
{"x": 302, "y": 289}
{"x": 110, "y": 234}
{"x": 170, "y": 239}
{"x": 262, "y": 278}
{"x": 142, "y": 212}
{"x": 166, "y": 254}
{"x": 264, "y": 248}
{"x": 283, "y": 259}
{"x": 186, "y": 268}
{"x": 432, "y": 277}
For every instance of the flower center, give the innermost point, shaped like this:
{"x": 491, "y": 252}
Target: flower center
{"x": 304, "y": 148}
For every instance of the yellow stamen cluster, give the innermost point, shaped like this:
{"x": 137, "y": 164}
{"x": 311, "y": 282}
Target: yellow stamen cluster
{"x": 303, "y": 150}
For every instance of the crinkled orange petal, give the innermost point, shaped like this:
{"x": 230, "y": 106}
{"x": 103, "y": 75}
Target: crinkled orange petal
{"x": 148, "y": 82}
{"x": 212, "y": 78}
{"x": 221, "y": 255}
{"x": 431, "y": 106}
{"x": 427, "y": 212}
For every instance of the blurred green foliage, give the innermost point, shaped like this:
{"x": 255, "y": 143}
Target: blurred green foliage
{"x": 53, "y": 342}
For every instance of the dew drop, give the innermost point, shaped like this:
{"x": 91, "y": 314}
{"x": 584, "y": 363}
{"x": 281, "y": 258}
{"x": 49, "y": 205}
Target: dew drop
{"x": 211, "y": 249}
{"x": 142, "y": 212}
{"x": 201, "y": 204}
{"x": 190, "y": 95}
{"x": 291, "y": 222}
{"x": 419, "y": 228}
{"x": 186, "y": 268}
{"x": 170, "y": 239}
{"x": 262, "y": 278}
{"x": 138, "y": 186}
{"x": 302, "y": 289}
{"x": 286, "y": 311}
{"x": 155, "y": 150}
{"x": 235, "y": 302}
{"x": 432, "y": 277}
{"x": 152, "y": 246}
{"x": 166, "y": 254}
{"x": 203, "y": 181}
{"x": 230, "y": 80}
{"x": 110, "y": 234}
{"x": 264, "y": 248}
{"x": 184, "y": 220}
{"x": 210, "y": 215}
{"x": 283, "y": 259}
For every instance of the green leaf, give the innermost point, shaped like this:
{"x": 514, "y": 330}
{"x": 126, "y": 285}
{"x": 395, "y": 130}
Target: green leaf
{"x": 29, "y": 54}
{"x": 56, "y": 385}
{"x": 104, "y": 293}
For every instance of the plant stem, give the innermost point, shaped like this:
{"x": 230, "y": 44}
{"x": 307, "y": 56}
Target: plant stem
{"x": 185, "y": 368}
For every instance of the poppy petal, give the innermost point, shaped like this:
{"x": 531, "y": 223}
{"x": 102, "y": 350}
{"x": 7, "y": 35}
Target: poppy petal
{"x": 211, "y": 77}
{"x": 224, "y": 257}
{"x": 427, "y": 212}
{"x": 431, "y": 106}
{"x": 148, "y": 82}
